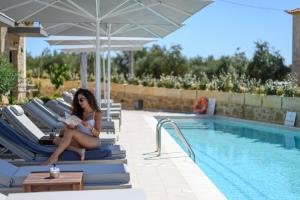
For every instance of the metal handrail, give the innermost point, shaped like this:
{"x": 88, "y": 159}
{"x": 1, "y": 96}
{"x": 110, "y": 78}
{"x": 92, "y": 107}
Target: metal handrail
{"x": 159, "y": 125}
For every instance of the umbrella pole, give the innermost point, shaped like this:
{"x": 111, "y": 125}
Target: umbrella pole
{"x": 104, "y": 77}
{"x": 98, "y": 70}
{"x": 108, "y": 74}
{"x": 83, "y": 69}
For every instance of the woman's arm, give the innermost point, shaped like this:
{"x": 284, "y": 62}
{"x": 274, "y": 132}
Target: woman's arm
{"x": 97, "y": 127}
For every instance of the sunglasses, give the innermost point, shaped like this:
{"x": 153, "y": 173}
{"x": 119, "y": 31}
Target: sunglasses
{"x": 81, "y": 99}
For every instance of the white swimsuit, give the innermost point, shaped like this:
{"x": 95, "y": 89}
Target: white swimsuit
{"x": 86, "y": 130}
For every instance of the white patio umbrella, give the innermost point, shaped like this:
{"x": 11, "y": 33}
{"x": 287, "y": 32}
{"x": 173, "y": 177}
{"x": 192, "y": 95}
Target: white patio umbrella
{"x": 117, "y": 44}
{"x": 117, "y": 30}
{"x": 103, "y": 48}
{"x": 159, "y": 12}
{"x": 141, "y": 12}
{"x": 104, "y": 41}
{"x": 83, "y": 50}
{"x": 83, "y": 45}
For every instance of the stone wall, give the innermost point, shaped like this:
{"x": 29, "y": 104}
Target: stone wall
{"x": 245, "y": 106}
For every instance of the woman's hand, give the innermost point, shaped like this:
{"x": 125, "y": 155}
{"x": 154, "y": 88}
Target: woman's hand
{"x": 87, "y": 125}
{"x": 71, "y": 126}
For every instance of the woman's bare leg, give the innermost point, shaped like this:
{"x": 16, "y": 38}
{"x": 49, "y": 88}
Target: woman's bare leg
{"x": 81, "y": 138}
{"x": 74, "y": 146}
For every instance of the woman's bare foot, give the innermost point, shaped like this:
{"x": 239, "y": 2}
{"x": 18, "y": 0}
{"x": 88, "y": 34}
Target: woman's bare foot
{"x": 82, "y": 154}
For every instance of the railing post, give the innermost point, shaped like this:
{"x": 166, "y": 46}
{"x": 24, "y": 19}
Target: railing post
{"x": 178, "y": 131}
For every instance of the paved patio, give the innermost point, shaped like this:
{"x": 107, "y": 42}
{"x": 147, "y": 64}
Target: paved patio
{"x": 172, "y": 176}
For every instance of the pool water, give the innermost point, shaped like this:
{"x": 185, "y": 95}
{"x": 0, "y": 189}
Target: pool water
{"x": 245, "y": 160}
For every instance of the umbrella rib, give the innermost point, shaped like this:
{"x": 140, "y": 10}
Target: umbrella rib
{"x": 37, "y": 11}
{"x": 64, "y": 9}
{"x": 81, "y": 9}
{"x": 127, "y": 10}
{"x": 114, "y": 9}
{"x": 101, "y": 29}
{"x": 71, "y": 25}
{"x": 176, "y": 9}
{"x": 149, "y": 31}
{"x": 136, "y": 28}
{"x": 158, "y": 14}
{"x": 121, "y": 29}
{"x": 16, "y": 5}
{"x": 61, "y": 30}
{"x": 123, "y": 10}
{"x": 67, "y": 5}
{"x": 53, "y": 26}
{"x": 161, "y": 28}
{"x": 82, "y": 26}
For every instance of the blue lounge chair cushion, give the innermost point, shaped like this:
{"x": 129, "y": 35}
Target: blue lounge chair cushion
{"x": 93, "y": 174}
{"x": 12, "y": 135}
{"x": 6, "y": 172}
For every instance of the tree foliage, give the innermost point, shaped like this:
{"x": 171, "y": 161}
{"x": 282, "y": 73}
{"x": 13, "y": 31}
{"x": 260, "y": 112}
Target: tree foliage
{"x": 267, "y": 64}
{"x": 156, "y": 61}
{"x": 8, "y": 76}
{"x": 58, "y": 74}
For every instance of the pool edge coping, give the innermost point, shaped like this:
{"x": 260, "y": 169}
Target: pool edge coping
{"x": 190, "y": 171}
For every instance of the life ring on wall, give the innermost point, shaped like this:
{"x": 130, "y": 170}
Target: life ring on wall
{"x": 201, "y": 106}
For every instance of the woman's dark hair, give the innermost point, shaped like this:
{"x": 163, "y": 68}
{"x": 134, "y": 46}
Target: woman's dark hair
{"x": 77, "y": 110}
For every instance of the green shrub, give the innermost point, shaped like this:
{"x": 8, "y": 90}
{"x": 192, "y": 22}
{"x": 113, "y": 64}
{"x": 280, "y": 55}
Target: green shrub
{"x": 56, "y": 95}
{"x": 202, "y": 81}
{"x": 167, "y": 81}
{"x": 9, "y": 77}
{"x": 224, "y": 82}
{"x": 58, "y": 74}
{"x": 297, "y": 92}
{"x": 45, "y": 98}
{"x": 148, "y": 81}
{"x": 134, "y": 81}
{"x": 21, "y": 102}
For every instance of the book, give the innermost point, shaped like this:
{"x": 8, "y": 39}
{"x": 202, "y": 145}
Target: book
{"x": 72, "y": 119}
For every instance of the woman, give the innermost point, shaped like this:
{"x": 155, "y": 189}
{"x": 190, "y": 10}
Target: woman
{"x": 85, "y": 135}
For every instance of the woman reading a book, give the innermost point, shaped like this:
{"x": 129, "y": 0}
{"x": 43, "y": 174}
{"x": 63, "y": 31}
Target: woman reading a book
{"x": 82, "y": 133}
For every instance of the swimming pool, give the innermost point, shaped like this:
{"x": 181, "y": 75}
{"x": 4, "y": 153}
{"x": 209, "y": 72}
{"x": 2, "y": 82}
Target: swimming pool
{"x": 245, "y": 160}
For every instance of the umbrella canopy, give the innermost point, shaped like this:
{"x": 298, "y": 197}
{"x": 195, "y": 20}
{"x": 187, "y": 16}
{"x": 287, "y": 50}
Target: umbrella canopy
{"x": 103, "y": 48}
{"x": 104, "y": 41}
{"x": 117, "y": 30}
{"x": 153, "y": 12}
{"x": 6, "y": 21}
{"x": 136, "y": 12}
{"x": 83, "y": 50}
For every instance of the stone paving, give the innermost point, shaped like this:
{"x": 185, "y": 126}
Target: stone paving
{"x": 172, "y": 176}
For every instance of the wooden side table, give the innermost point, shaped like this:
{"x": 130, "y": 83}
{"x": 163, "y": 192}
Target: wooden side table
{"x": 41, "y": 181}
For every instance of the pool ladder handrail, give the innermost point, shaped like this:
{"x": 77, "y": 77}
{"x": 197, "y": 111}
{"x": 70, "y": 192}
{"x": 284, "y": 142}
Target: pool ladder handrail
{"x": 159, "y": 125}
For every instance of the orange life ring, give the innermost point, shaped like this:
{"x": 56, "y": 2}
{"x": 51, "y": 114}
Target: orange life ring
{"x": 201, "y": 106}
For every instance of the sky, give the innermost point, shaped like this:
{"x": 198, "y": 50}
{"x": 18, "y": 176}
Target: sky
{"x": 222, "y": 27}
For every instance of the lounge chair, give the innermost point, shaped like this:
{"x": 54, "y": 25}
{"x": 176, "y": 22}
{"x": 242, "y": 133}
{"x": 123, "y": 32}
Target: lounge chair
{"x": 62, "y": 102}
{"x": 55, "y": 106}
{"x": 117, "y": 194}
{"x": 50, "y": 118}
{"x": 95, "y": 176}
{"x": 33, "y": 152}
{"x": 15, "y": 116}
{"x": 73, "y": 91}
{"x": 42, "y": 115}
{"x": 115, "y": 111}
{"x": 68, "y": 97}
